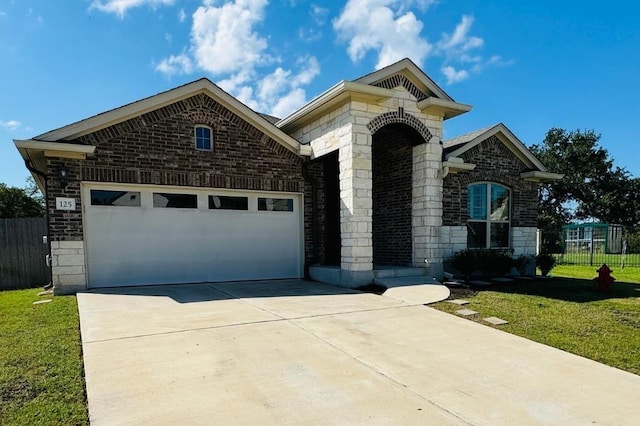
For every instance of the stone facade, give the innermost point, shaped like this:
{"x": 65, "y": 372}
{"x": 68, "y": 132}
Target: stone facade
{"x": 349, "y": 129}
{"x": 68, "y": 266}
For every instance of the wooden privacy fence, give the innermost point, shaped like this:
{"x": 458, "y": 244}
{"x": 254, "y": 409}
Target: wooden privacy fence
{"x": 22, "y": 253}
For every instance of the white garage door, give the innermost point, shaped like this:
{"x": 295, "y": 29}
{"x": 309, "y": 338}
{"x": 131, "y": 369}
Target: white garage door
{"x": 159, "y": 235}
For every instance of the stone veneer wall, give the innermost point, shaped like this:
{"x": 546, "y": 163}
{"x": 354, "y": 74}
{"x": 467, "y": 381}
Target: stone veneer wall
{"x": 346, "y": 129}
{"x": 68, "y": 266}
{"x": 158, "y": 148}
{"x": 453, "y": 238}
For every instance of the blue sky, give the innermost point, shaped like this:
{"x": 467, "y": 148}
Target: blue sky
{"x": 530, "y": 64}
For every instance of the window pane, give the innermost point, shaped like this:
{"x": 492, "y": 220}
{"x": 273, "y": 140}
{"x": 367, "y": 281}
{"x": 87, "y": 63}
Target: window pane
{"x": 275, "y": 204}
{"x": 203, "y": 138}
{"x": 178, "y": 201}
{"x": 476, "y": 234}
{"x": 499, "y": 235}
{"x": 224, "y": 202}
{"x": 477, "y": 201}
{"x": 115, "y": 198}
{"x": 499, "y": 203}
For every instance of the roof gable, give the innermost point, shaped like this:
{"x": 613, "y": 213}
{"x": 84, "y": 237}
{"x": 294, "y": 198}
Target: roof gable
{"x": 461, "y": 144}
{"x": 138, "y": 108}
{"x": 408, "y": 75}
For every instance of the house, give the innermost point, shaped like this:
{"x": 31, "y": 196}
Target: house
{"x": 191, "y": 185}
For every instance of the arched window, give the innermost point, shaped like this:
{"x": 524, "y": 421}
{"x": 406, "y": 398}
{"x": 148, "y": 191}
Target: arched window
{"x": 204, "y": 138}
{"x": 488, "y": 206}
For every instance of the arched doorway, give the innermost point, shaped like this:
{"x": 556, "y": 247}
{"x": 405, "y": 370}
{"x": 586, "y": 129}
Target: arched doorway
{"x": 392, "y": 174}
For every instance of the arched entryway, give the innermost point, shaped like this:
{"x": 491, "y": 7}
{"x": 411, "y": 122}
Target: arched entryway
{"x": 392, "y": 165}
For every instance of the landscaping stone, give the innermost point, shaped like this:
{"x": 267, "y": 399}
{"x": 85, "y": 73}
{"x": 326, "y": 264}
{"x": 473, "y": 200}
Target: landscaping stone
{"x": 465, "y": 312}
{"x": 458, "y": 301}
{"x": 40, "y": 302}
{"x": 45, "y": 293}
{"x": 496, "y": 321}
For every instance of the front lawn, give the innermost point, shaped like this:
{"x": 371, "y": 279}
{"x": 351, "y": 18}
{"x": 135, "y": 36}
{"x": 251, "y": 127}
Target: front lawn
{"x": 627, "y": 275}
{"x": 41, "y": 379}
{"x": 568, "y": 314}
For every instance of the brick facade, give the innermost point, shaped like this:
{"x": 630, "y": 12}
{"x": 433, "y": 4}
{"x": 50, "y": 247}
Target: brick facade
{"x": 158, "y": 148}
{"x": 392, "y": 160}
{"x": 494, "y": 163}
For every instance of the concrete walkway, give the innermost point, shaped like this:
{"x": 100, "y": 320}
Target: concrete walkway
{"x": 294, "y": 352}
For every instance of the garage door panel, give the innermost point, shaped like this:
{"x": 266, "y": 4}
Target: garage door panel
{"x": 133, "y": 246}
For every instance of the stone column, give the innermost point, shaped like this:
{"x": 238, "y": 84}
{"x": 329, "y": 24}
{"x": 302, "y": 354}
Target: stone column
{"x": 427, "y": 207}
{"x": 356, "y": 211}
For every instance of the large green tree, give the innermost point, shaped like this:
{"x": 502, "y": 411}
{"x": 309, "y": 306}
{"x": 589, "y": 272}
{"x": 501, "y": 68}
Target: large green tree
{"x": 593, "y": 188}
{"x": 21, "y": 202}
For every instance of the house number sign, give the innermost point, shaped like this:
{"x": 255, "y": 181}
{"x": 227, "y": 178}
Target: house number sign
{"x": 63, "y": 203}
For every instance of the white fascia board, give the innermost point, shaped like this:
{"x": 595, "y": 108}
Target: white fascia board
{"x": 540, "y": 176}
{"x": 333, "y": 96}
{"x": 410, "y": 70}
{"x": 448, "y": 108}
{"x": 513, "y": 143}
{"x": 34, "y": 145}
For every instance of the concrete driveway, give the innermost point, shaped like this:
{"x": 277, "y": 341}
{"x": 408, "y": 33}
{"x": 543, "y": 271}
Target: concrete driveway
{"x": 295, "y": 352}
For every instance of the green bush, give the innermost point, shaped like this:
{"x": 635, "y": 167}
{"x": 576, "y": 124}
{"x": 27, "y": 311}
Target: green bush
{"x": 545, "y": 262}
{"x": 487, "y": 262}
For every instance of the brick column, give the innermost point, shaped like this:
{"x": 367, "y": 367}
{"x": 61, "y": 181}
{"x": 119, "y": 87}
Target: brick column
{"x": 427, "y": 207}
{"x": 356, "y": 211}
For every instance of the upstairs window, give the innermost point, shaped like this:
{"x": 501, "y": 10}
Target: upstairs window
{"x": 488, "y": 216}
{"x": 204, "y": 141}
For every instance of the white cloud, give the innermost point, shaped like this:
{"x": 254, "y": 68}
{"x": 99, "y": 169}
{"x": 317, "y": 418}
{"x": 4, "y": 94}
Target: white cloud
{"x": 458, "y": 43}
{"x": 168, "y": 37}
{"x": 120, "y": 7}
{"x": 223, "y": 39}
{"x": 460, "y": 48}
{"x": 319, "y": 14}
{"x": 10, "y": 125}
{"x": 453, "y": 75}
{"x": 386, "y": 27}
{"x": 181, "y": 16}
{"x": 175, "y": 64}
{"x": 225, "y": 43}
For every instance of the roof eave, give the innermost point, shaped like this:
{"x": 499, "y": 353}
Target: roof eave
{"x": 410, "y": 70}
{"x": 336, "y": 95}
{"x": 445, "y": 108}
{"x": 160, "y": 100}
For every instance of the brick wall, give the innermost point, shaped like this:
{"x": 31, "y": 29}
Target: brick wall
{"x": 494, "y": 163}
{"x": 315, "y": 173}
{"x": 158, "y": 148}
{"x": 392, "y": 181}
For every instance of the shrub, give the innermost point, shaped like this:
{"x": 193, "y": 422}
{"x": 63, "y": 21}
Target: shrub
{"x": 486, "y": 261}
{"x": 545, "y": 262}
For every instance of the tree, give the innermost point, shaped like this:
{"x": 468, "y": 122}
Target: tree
{"x": 592, "y": 188}
{"x": 20, "y": 202}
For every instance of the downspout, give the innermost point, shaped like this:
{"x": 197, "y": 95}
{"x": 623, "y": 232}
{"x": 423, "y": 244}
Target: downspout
{"x": 46, "y": 216}
{"x": 314, "y": 217}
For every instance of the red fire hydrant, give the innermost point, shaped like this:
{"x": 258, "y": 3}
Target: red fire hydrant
{"x": 604, "y": 280}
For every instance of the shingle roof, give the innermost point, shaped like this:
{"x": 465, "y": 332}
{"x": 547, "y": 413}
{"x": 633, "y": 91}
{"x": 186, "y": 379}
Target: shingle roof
{"x": 456, "y": 142}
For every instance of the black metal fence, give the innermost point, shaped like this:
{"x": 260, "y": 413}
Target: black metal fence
{"x": 595, "y": 244}
{"x": 22, "y": 253}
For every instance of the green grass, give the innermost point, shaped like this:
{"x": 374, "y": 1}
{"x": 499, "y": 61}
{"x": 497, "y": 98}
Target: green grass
{"x": 613, "y": 260}
{"x": 567, "y": 313}
{"x": 627, "y": 275}
{"x": 41, "y": 377}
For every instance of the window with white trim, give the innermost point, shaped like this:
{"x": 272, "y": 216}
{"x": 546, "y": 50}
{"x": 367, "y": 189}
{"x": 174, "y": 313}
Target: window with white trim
{"x": 204, "y": 138}
{"x": 488, "y": 223}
